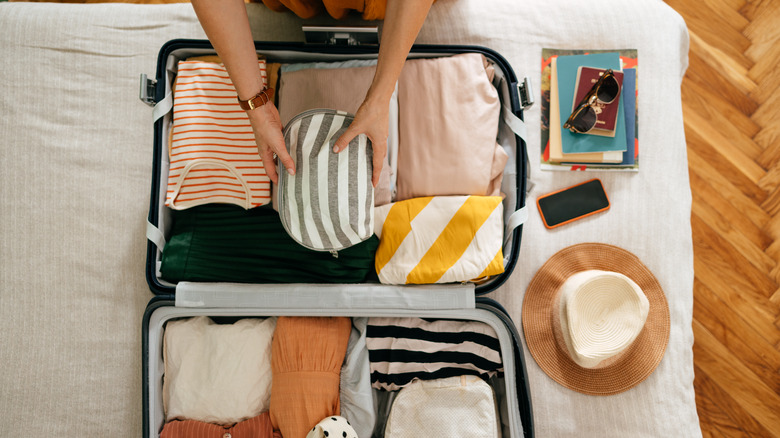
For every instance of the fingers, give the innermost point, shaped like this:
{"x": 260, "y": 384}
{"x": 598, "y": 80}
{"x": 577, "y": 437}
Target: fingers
{"x": 276, "y": 140}
{"x": 346, "y": 137}
{"x": 380, "y": 150}
{"x": 268, "y": 162}
{"x": 269, "y": 158}
{"x": 286, "y": 160}
{"x": 268, "y": 135}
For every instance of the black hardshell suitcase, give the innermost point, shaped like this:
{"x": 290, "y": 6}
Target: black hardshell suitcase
{"x": 233, "y": 300}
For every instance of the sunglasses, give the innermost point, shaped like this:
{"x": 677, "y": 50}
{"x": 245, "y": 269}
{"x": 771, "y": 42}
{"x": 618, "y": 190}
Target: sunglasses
{"x": 584, "y": 116}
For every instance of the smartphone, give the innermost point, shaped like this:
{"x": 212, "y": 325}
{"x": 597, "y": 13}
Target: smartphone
{"x": 572, "y": 203}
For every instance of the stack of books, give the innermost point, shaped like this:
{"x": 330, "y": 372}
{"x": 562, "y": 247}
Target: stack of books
{"x": 567, "y": 75}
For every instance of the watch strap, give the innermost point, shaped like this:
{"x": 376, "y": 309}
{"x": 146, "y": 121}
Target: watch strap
{"x": 260, "y": 99}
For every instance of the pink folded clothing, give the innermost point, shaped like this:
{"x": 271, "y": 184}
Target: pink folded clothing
{"x": 448, "y": 122}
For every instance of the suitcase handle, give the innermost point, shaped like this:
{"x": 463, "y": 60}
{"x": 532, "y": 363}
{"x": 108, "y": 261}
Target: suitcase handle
{"x": 341, "y": 35}
{"x": 324, "y": 298}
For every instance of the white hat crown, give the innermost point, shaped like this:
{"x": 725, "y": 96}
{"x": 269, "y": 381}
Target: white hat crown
{"x": 601, "y": 314}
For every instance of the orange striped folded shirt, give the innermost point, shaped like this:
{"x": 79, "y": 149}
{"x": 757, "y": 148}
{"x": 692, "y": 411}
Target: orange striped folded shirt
{"x": 213, "y": 154}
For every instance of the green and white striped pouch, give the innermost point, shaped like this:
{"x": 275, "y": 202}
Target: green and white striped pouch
{"x": 328, "y": 205}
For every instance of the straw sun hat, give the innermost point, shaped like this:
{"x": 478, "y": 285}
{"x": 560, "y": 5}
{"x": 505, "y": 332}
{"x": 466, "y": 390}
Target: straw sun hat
{"x": 596, "y": 319}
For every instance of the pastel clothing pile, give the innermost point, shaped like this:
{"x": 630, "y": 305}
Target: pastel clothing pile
{"x": 438, "y": 204}
{"x": 252, "y": 377}
{"x": 315, "y": 376}
{"x": 213, "y": 153}
{"x": 441, "y": 144}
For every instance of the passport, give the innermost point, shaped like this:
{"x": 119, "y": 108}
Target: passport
{"x": 606, "y": 114}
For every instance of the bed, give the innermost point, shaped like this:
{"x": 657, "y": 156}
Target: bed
{"x": 76, "y": 147}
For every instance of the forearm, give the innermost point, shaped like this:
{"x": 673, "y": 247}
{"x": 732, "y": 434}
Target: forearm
{"x": 227, "y": 26}
{"x": 403, "y": 20}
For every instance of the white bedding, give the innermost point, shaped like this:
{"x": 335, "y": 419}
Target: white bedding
{"x": 76, "y": 148}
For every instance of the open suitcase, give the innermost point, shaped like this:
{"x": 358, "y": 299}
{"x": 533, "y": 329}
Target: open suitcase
{"x": 465, "y": 301}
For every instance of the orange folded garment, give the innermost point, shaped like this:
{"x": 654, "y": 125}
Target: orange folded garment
{"x": 306, "y": 358}
{"x": 370, "y": 9}
{"x": 255, "y": 427}
{"x": 301, "y": 8}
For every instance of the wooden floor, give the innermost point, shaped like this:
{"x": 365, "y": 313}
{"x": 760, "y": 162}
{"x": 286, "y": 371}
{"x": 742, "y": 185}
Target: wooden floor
{"x": 731, "y": 106}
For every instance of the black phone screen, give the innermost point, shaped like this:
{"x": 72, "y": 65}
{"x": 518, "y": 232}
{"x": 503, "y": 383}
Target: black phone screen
{"x": 572, "y": 203}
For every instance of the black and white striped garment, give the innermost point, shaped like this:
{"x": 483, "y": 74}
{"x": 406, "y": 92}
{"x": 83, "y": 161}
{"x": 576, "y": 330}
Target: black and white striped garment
{"x": 403, "y": 349}
{"x": 328, "y": 205}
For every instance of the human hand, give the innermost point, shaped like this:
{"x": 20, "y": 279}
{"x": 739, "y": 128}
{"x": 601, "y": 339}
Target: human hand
{"x": 371, "y": 119}
{"x": 267, "y": 127}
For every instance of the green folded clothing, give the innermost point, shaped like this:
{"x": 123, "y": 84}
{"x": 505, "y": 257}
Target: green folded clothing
{"x": 225, "y": 243}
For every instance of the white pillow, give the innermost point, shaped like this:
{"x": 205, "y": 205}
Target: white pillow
{"x": 217, "y": 373}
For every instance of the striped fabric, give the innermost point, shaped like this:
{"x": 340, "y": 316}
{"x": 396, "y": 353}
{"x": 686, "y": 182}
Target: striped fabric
{"x": 328, "y": 205}
{"x": 439, "y": 239}
{"x": 403, "y": 349}
{"x": 213, "y": 153}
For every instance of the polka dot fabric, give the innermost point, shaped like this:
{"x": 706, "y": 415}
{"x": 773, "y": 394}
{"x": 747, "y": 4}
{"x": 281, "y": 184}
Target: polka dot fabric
{"x": 332, "y": 427}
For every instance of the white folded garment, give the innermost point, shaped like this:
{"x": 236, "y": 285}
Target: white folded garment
{"x": 217, "y": 373}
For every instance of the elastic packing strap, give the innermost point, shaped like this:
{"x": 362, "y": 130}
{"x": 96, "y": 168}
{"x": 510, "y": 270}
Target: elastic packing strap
{"x": 155, "y": 235}
{"x": 518, "y": 126}
{"x": 515, "y": 220}
{"x": 162, "y": 107}
{"x": 519, "y": 216}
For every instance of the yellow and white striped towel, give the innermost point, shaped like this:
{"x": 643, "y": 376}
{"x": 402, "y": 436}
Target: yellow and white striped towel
{"x": 439, "y": 239}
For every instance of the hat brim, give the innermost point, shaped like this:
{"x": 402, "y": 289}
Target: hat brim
{"x": 626, "y": 371}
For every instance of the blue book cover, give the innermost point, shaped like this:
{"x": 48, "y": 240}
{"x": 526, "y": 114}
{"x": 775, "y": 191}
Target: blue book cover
{"x": 567, "y": 75}
{"x": 629, "y": 105}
